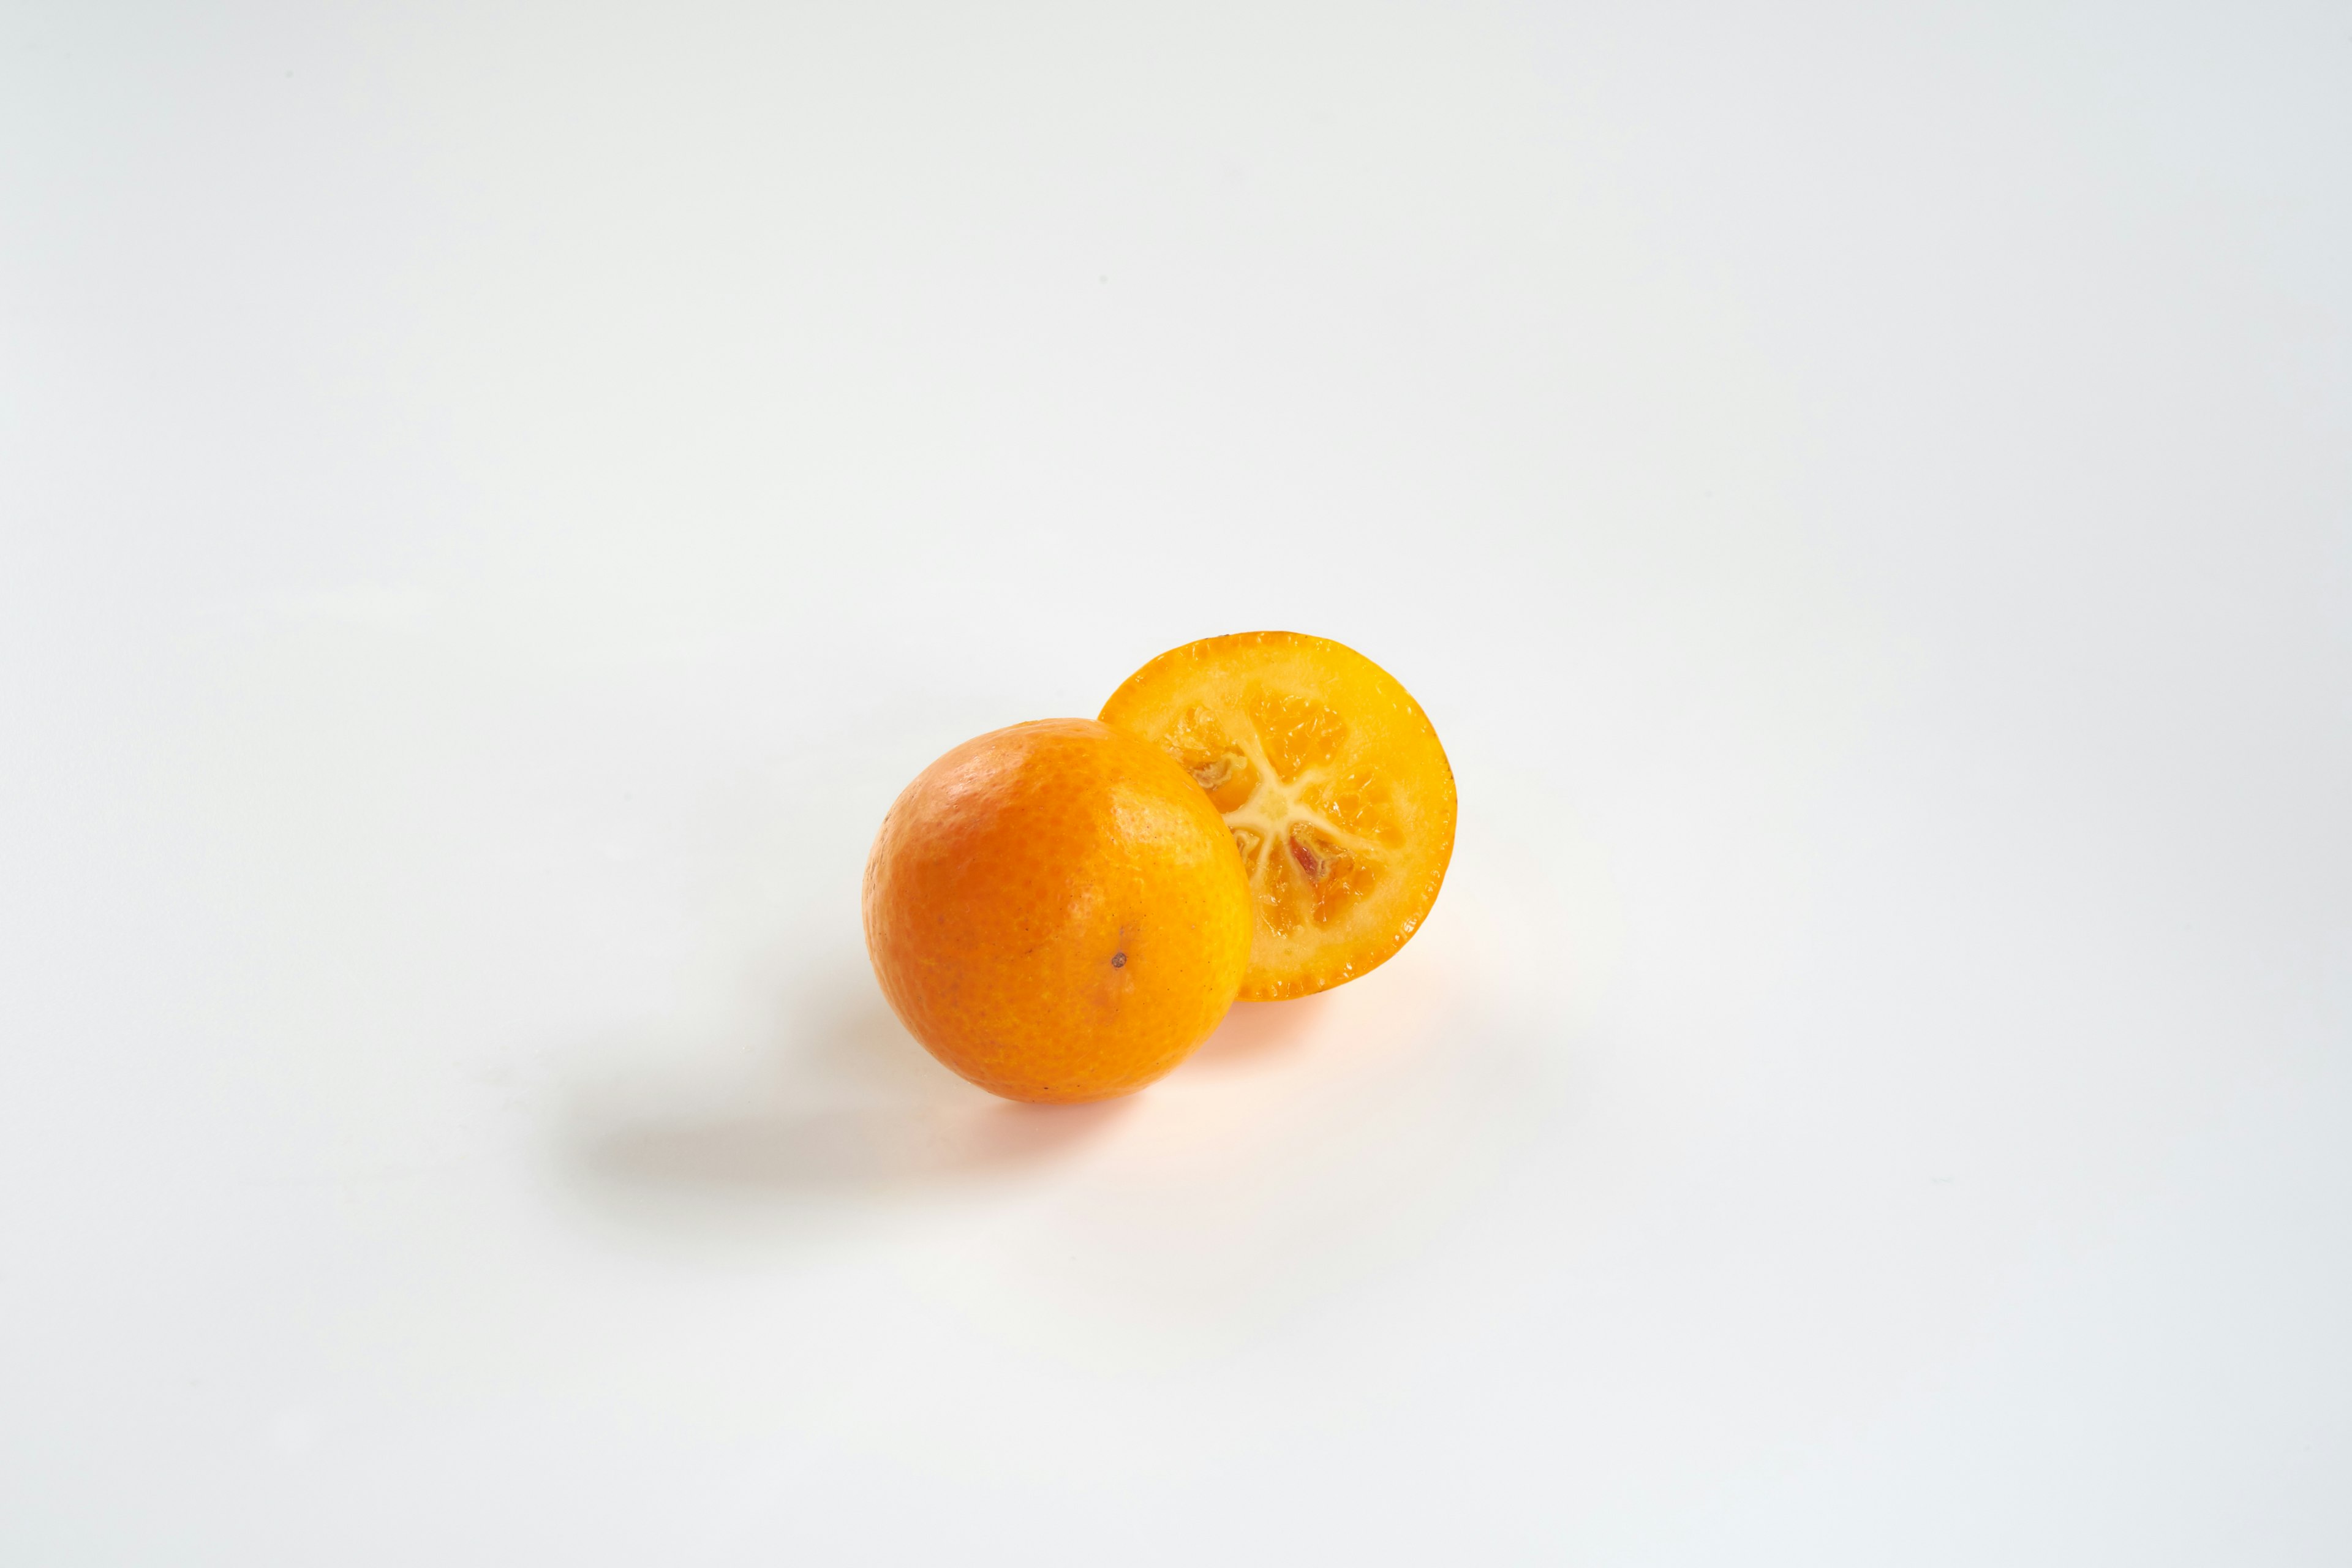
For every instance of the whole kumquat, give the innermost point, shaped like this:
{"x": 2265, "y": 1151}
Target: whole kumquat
{"x": 1057, "y": 911}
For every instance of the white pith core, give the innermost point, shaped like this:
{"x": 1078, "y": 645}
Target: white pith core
{"x": 1277, "y": 802}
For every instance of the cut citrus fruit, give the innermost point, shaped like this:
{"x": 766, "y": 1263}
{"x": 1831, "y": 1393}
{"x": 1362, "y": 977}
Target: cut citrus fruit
{"x": 1333, "y": 783}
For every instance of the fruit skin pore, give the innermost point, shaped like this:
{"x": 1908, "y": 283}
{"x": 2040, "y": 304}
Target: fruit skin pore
{"x": 1057, "y": 911}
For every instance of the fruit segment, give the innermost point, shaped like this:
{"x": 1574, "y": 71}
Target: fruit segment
{"x": 1332, "y": 782}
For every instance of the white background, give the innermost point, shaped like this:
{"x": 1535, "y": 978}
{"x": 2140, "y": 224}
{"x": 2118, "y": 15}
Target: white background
{"x": 495, "y": 499}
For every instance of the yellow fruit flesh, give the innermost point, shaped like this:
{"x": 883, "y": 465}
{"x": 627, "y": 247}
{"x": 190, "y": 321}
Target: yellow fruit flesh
{"x": 1332, "y": 782}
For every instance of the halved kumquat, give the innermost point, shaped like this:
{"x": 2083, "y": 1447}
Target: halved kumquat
{"x": 1332, "y": 782}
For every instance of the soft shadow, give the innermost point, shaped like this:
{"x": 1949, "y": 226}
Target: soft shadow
{"x": 1257, "y": 1031}
{"x": 845, "y": 1104}
{"x": 842, "y": 1151}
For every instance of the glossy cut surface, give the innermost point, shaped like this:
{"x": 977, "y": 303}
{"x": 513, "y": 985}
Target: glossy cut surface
{"x": 1057, "y": 911}
{"x": 1331, "y": 780}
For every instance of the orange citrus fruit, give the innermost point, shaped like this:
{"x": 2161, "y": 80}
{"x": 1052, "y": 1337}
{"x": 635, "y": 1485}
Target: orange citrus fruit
{"x": 1057, "y": 911}
{"x": 1339, "y": 798}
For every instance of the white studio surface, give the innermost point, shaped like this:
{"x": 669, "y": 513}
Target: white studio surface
{"x": 496, "y": 498}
